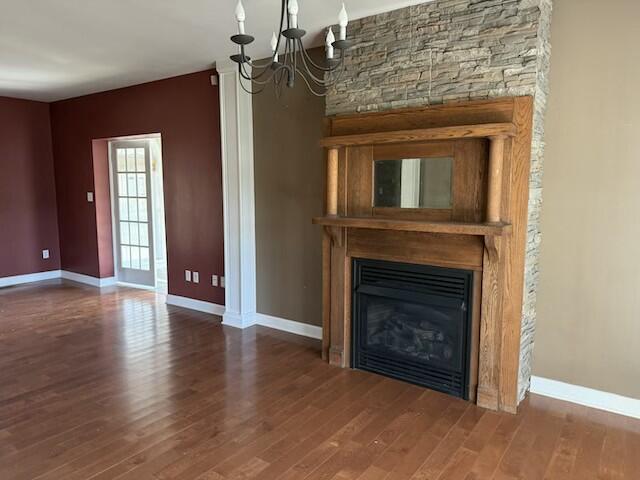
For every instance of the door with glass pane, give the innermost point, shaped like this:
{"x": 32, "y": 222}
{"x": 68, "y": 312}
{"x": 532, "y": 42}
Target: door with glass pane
{"x": 132, "y": 212}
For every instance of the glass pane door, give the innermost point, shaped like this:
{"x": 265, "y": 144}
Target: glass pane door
{"x": 134, "y": 239}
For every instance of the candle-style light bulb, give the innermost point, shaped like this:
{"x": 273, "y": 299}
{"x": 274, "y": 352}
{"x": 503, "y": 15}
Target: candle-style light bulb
{"x": 343, "y": 21}
{"x": 293, "y": 13}
{"x": 240, "y": 17}
{"x": 329, "y": 43}
{"x": 274, "y": 46}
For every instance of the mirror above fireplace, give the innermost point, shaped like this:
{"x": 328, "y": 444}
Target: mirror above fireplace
{"x": 413, "y": 183}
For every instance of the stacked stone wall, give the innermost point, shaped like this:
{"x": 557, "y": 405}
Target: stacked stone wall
{"x": 453, "y": 50}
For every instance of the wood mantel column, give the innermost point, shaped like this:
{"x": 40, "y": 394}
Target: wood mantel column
{"x": 336, "y": 283}
{"x": 496, "y": 164}
{"x": 494, "y": 284}
{"x": 332, "y": 181}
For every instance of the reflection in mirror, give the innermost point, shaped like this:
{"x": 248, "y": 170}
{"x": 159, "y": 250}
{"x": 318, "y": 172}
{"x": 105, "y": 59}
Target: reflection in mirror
{"x": 413, "y": 183}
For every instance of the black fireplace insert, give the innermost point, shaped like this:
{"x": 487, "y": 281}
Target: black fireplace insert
{"x": 413, "y": 323}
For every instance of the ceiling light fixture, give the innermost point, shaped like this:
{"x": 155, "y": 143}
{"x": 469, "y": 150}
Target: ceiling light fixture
{"x": 289, "y": 57}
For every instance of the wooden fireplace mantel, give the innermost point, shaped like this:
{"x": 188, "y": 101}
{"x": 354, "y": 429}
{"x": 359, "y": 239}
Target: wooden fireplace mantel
{"x": 484, "y": 232}
{"x": 457, "y": 228}
{"x": 484, "y": 130}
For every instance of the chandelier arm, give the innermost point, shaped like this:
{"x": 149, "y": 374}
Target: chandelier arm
{"x": 267, "y": 69}
{"x": 326, "y": 86}
{"x": 338, "y": 76}
{"x": 310, "y": 87}
{"x": 243, "y": 74}
{"x": 250, "y": 76}
{"x": 256, "y": 64}
{"x": 273, "y": 72}
{"x": 321, "y": 81}
{"x": 279, "y": 79}
{"x": 308, "y": 60}
{"x": 252, "y": 92}
{"x": 262, "y": 69}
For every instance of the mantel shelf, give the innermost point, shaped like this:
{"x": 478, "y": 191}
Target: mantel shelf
{"x": 482, "y": 130}
{"x": 458, "y": 228}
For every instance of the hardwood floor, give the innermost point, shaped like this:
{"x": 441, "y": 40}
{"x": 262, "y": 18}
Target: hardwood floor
{"x": 118, "y": 385}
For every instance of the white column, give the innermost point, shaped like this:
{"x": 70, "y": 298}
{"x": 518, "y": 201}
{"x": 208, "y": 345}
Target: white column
{"x": 236, "y": 123}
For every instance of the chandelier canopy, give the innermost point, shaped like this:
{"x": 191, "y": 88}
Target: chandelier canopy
{"x": 289, "y": 59}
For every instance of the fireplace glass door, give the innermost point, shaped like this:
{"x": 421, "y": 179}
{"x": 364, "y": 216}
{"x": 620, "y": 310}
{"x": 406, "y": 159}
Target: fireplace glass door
{"x": 412, "y": 322}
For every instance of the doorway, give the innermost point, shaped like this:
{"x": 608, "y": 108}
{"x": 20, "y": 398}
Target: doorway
{"x": 138, "y": 212}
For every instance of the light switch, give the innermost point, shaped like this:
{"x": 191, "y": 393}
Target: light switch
{"x": 45, "y": 254}
{"x": 187, "y": 275}
{"x": 214, "y": 280}
{"x": 90, "y": 197}
{"x": 196, "y": 277}
{"x": 222, "y": 282}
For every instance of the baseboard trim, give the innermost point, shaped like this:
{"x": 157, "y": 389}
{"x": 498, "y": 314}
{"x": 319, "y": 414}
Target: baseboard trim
{"x": 135, "y": 285}
{"x": 236, "y": 320}
{"x": 290, "y": 326}
{"x": 193, "y": 304}
{"x": 29, "y": 278}
{"x": 88, "y": 280}
{"x": 610, "y": 402}
{"x": 52, "y": 274}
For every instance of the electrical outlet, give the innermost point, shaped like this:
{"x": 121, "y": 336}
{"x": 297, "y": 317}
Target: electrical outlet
{"x": 196, "y": 277}
{"x": 45, "y": 254}
{"x": 214, "y": 280}
{"x": 187, "y": 275}
{"x": 90, "y": 197}
{"x": 222, "y": 282}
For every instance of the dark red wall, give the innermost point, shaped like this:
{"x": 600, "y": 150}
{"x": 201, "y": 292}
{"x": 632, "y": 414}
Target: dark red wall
{"x": 185, "y": 110}
{"x": 28, "y": 218}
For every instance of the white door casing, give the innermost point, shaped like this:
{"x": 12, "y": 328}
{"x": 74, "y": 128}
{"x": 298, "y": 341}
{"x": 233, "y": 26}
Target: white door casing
{"x": 132, "y": 212}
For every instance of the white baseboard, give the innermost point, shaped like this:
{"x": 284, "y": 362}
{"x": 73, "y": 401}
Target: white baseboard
{"x": 28, "y": 278}
{"x": 237, "y": 320}
{"x": 73, "y": 276}
{"x": 88, "y": 280}
{"x": 198, "y": 305}
{"x": 135, "y": 285}
{"x": 290, "y": 326}
{"x": 588, "y": 397}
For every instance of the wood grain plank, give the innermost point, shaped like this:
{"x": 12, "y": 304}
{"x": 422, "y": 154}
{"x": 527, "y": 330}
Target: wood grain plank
{"x": 421, "y": 135}
{"x": 180, "y": 396}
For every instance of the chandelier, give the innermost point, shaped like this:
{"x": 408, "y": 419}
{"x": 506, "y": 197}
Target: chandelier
{"x": 289, "y": 59}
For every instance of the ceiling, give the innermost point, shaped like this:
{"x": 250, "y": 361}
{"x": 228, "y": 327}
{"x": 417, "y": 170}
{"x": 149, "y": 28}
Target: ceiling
{"x": 51, "y": 50}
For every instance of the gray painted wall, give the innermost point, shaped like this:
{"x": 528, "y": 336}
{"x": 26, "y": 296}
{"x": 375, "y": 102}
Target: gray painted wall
{"x": 289, "y": 182}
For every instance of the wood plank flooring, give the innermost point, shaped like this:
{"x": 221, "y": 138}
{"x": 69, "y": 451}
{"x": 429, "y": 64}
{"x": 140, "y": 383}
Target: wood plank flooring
{"x": 115, "y": 384}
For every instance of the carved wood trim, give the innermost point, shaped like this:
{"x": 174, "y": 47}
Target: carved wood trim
{"x": 502, "y": 243}
{"x": 425, "y": 134}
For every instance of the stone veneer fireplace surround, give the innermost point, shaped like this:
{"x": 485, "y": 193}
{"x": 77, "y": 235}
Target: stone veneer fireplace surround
{"x": 459, "y": 50}
{"x": 484, "y": 231}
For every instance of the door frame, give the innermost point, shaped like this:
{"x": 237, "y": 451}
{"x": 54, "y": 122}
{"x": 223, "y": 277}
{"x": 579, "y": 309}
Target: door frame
{"x": 114, "y": 205}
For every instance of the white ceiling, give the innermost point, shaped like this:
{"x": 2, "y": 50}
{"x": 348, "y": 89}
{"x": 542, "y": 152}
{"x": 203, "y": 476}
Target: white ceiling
{"x": 50, "y": 50}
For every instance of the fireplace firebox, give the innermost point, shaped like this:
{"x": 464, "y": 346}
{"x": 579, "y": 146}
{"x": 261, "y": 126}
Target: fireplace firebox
{"x": 413, "y": 323}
